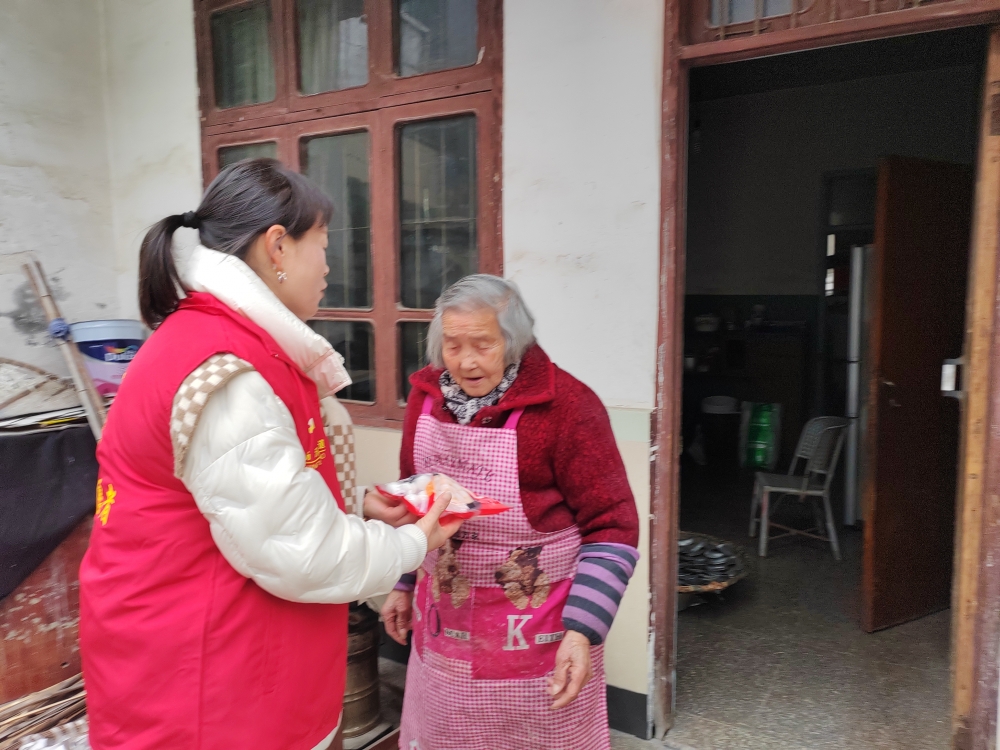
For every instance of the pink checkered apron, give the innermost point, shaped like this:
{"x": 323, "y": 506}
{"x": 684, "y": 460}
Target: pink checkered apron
{"x": 487, "y": 615}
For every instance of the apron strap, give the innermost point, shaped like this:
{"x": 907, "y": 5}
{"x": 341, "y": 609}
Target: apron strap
{"x": 513, "y": 419}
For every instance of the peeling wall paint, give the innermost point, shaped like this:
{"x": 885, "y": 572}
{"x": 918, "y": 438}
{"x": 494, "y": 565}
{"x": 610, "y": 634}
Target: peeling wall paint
{"x": 54, "y": 176}
{"x": 99, "y": 139}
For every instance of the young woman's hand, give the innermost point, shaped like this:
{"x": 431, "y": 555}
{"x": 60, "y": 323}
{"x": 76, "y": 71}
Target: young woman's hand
{"x": 438, "y": 533}
{"x": 397, "y": 613}
{"x": 573, "y": 669}
{"x": 381, "y": 508}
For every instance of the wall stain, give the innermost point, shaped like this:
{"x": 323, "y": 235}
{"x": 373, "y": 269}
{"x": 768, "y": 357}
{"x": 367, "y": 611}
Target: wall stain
{"x": 27, "y": 315}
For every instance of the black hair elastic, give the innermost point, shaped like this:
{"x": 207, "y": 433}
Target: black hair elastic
{"x": 190, "y": 220}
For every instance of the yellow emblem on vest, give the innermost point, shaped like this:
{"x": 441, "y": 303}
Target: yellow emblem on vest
{"x": 315, "y": 457}
{"x": 104, "y": 501}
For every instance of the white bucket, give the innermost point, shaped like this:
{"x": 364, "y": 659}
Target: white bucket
{"x": 108, "y": 347}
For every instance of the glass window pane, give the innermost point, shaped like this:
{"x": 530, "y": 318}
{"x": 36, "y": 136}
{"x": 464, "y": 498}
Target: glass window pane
{"x": 339, "y": 164}
{"x": 232, "y": 154}
{"x": 743, "y": 11}
{"x": 437, "y": 207}
{"x": 777, "y": 8}
{"x": 413, "y": 351}
{"x": 241, "y": 51}
{"x": 435, "y": 35}
{"x": 333, "y": 45}
{"x": 357, "y": 343}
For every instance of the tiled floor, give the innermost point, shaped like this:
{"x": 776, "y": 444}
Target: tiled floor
{"x": 780, "y": 661}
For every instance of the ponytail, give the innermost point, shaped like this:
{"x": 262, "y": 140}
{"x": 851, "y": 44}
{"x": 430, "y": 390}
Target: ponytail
{"x": 243, "y": 201}
{"x": 158, "y": 277}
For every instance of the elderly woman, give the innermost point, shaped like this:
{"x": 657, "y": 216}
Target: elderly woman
{"x": 509, "y": 617}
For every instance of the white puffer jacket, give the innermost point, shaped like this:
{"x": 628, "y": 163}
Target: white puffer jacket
{"x": 274, "y": 519}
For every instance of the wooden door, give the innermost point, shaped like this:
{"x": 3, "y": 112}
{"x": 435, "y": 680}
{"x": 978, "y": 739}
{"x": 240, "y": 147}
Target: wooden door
{"x": 919, "y": 274}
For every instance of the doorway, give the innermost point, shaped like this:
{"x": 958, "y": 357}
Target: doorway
{"x": 796, "y": 165}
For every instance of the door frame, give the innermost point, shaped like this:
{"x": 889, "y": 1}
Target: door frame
{"x": 976, "y": 583}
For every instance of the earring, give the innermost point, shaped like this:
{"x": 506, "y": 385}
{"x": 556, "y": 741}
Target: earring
{"x": 282, "y": 276}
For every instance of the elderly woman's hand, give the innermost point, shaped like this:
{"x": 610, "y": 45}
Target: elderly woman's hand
{"x": 573, "y": 669}
{"x": 397, "y": 613}
{"x": 381, "y": 508}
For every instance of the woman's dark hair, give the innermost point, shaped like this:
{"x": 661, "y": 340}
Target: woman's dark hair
{"x": 243, "y": 202}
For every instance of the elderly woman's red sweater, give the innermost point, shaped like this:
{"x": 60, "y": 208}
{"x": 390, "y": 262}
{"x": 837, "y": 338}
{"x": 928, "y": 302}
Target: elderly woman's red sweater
{"x": 568, "y": 461}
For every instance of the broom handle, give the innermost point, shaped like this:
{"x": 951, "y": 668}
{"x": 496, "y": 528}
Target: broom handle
{"x": 92, "y": 402}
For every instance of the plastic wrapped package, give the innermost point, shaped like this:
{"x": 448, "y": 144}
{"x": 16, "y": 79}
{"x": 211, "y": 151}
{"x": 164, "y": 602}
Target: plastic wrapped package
{"x": 418, "y": 492}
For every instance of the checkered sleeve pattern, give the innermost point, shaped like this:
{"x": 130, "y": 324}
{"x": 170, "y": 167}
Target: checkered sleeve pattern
{"x": 191, "y": 397}
{"x": 342, "y": 444}
{"x": 339, "y": 431}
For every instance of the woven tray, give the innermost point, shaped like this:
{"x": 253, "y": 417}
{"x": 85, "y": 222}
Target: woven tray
{"x": 716, "y": 586}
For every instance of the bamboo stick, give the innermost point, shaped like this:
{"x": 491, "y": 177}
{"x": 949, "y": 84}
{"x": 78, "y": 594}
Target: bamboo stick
{"x": 92, "y": 402}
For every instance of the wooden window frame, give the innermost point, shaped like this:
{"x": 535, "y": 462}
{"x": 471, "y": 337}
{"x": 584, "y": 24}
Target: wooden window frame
{"x": 806, "y": 14}
{"x": 760, "y": 23}
{"x": 384, "y": 88}
{"x": 381, "y": 107}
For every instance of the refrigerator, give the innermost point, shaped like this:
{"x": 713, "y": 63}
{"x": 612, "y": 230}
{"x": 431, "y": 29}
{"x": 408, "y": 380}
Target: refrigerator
{"x": 856, "y": 409}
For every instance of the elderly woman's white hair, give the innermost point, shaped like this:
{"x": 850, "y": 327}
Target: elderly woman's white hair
{"x": 483, "y": 291}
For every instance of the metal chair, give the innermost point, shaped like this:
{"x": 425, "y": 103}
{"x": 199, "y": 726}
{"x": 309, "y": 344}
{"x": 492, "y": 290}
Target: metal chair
{"x": 819, "y": 446}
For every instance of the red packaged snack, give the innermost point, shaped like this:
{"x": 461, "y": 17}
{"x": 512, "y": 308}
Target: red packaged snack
{"x": 417, "y": 493}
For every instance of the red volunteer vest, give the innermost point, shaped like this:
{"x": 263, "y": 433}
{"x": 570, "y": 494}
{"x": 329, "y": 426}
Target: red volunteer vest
{"x": 179, "y": 650}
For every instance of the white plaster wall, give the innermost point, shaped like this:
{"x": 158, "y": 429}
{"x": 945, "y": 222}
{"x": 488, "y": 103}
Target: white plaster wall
{"x": 99, "y": 138}
{"x": 54, "y": 179}
{"x": 581, "y": 129}
{"x": 626, "y": 653}
{"x": 154, "y": 140}
{"x": 377, "y": 454}
{"x": 581, "y": 125}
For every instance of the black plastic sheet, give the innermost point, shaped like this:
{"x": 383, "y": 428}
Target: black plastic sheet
{"x": 47, "y": 486}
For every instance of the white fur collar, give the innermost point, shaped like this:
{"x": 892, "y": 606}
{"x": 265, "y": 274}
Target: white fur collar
{"x": 235, "y": 284}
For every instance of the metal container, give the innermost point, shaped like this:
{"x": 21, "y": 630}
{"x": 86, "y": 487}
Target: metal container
{"x": 361, "y": 703}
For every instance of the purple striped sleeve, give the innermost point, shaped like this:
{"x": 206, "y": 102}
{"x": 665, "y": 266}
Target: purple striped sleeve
{"x": 407, "y": 582}
{"x": 602, "y": 573}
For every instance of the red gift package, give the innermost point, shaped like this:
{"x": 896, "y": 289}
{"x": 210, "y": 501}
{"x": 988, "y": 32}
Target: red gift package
{"x": 417, "y": 493}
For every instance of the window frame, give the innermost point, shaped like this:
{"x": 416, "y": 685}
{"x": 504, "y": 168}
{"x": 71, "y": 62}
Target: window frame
{"x": 859, "y": 15}
{"x": 210, "y": 113}
{"x": 381, "y": 107}
{"x": 384, "y": 88}
{"x": 754, "y": 23}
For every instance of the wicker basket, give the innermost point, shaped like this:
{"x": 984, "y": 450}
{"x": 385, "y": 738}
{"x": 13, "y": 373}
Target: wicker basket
{"x": 715, "y": 587}
{"x": 59, "y": 705}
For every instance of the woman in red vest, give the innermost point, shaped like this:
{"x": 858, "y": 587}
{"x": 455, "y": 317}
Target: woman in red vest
{"x": 213, "y": 598}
